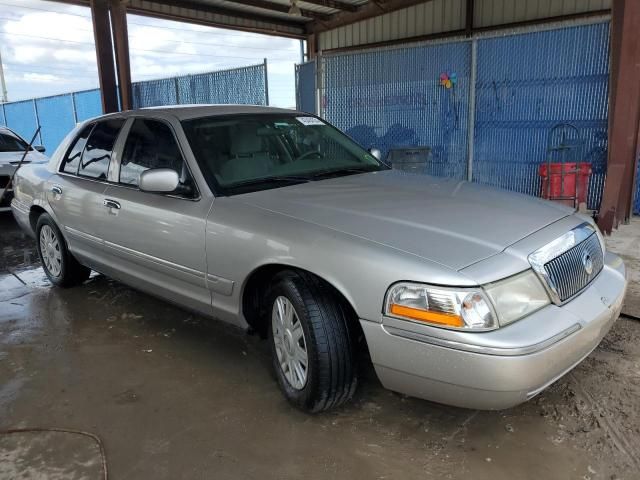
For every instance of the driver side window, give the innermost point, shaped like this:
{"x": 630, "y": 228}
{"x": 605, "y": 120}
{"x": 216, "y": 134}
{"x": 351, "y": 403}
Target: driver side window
{"x": 151, "y": 144}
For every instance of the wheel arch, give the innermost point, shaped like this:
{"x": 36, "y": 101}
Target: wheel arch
{"x": 34, "y": 213}
{"x": 252, "y": 303}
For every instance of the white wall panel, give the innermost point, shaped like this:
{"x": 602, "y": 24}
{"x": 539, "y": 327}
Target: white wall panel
{"x": 435, "y": 16}
{"x": 439, "y": 16}
{"x": 496, "y": 12}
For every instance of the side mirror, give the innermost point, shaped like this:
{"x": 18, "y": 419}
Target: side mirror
{"x": 376, "y": 153}
{"x": 39, "y": 148}
{"x": 159, "y": 180}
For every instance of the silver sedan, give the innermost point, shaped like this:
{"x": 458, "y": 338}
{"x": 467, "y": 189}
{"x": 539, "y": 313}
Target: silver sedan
{"x": 275, "y": 221}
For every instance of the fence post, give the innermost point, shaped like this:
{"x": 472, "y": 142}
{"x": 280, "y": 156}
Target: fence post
{"x": 266, "y": 82}
{"x": 472, "y": 108}
{"x": 4, "y": 115}
{"x": 319, "y": 85}
{"x": 35, "y": 112}
{"x": 73, "y": 107}
{"x": 177, "y": 87}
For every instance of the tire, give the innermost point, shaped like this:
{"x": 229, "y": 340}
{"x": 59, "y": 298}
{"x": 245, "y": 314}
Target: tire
{"x": 62, "y": 269}
{"x": 331, "y": 371}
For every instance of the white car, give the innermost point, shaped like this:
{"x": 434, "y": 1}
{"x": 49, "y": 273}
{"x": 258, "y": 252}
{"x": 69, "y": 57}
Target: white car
{"x": 12, "y": 147}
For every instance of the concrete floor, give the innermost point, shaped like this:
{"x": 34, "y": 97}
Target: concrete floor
{"x": 172, "y": 395}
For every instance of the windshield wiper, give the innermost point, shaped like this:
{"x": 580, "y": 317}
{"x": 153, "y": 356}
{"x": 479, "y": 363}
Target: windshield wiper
{"x": 344, "y": 171}
{"x": 270, "y": 180}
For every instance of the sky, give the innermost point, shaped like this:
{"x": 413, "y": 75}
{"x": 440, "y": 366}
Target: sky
{"x": 47, "y": 48}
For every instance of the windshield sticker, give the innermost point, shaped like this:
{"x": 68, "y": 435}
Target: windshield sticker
{"x": 310, "y": 121}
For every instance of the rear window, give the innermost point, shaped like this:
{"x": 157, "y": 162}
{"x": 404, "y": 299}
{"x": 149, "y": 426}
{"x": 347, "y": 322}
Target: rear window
{"x": 72, "y": 158}
{"x": 11, "y": 143}
{"x": 97, "y": 153}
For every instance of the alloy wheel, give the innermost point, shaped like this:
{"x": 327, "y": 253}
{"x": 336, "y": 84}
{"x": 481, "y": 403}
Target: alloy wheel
{"x": 290, "y": 342}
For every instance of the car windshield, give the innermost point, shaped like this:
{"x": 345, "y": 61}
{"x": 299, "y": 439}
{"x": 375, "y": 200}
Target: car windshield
{"x": 244, "y": 153}
{"x": 10, "y": 143}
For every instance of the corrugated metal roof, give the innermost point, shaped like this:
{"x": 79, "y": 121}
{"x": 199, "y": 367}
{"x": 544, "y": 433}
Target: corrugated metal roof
{"x": 497, "y": 12}
{"x": 441, "y": 16}
{"x": 435, "y": 16}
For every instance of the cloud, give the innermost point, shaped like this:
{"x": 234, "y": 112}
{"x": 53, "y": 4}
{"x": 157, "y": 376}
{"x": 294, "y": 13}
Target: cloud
{"x": 51, "y": 52}
{"x": 40, "y": 78}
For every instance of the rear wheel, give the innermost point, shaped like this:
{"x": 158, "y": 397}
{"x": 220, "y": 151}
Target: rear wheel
{"x": 313, "y": 353}
{"x": 60, "y": 266}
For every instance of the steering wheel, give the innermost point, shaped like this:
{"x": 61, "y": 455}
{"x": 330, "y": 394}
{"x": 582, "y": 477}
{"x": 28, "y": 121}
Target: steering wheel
{"x": 309, "y": 154}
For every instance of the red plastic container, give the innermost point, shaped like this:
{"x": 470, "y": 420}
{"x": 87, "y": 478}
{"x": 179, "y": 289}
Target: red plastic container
{"x": 563, "y": 181}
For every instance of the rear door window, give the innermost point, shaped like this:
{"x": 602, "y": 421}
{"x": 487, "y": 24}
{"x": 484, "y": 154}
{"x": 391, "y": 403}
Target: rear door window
{"x": 97, "y": 153}
{"x": 71, "y": 160}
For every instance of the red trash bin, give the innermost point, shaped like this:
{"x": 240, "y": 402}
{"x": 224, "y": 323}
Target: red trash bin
{"x": 562, "y": 184}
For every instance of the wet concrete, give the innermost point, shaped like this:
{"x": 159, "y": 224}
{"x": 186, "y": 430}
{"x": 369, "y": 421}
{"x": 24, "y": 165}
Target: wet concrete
{"x": 173, "y": 395}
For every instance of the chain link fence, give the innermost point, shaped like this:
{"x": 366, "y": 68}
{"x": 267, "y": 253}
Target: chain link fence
{"x": 528, "y": 83}
{"x": 390, "y": 99}
{"x": 57, "y": 115}
{"x": 509, "y": 92}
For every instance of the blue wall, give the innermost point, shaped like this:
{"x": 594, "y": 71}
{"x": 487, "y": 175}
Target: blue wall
{"x": 57, "y": 115}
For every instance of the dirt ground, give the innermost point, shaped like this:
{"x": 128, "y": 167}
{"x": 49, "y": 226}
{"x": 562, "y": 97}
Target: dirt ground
{"x": 171, "y": 395}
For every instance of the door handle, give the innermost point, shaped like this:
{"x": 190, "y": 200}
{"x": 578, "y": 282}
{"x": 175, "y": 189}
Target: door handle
{"x": 111, "y": 204}
{"x": 57, "y": 189}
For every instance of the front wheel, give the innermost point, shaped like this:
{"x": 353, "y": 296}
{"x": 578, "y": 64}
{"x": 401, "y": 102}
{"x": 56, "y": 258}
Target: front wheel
{"x": 61, "y": 267}
{"x": 313, "y": 353}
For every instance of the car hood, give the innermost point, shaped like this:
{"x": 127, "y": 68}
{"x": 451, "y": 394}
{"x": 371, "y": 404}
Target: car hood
{"x": 451, "y": 222}
{"x": 15, "y": 157}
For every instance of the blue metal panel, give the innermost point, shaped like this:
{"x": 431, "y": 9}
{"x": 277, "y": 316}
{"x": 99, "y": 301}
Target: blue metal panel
{"x": 393, "y": 99}
{"x": 21, "y": 118}
{"x": 306, "y": 87}
{"x": 88, "y": 104}
{"x": 246, "y": 85}
{"x": 56, "y": 119}
{"x": 528, "y": 83}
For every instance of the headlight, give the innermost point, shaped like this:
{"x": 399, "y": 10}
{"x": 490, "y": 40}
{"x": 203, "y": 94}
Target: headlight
{"x": 517, "y": 296}
{"x": 460, "y": 309}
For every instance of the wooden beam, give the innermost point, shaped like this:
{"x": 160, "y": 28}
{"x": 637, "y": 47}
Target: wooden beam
{"x": 280, "y": 8}
{"x": 366, "y": 11}
{"x": 624, "y": 115}
{"x": 121, "y": 45}
{"x": 104, "y": 55}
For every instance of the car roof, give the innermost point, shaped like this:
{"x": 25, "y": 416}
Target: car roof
{"x": 185, "y": 112}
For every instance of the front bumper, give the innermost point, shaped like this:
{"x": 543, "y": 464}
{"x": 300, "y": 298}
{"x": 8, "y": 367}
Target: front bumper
{"x": 502, "y": 368}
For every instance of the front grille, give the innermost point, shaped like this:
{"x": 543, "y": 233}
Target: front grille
{"x": 567, "y": 272}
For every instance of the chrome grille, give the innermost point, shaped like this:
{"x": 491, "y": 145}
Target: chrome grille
{"x": 567, "y": 274}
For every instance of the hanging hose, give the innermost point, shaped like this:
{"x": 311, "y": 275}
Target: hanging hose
{"x": 24, "y": 155}
{"x": 65, "y": 430}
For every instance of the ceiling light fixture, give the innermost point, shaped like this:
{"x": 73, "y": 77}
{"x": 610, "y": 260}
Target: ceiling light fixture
{"x": 294, "y": 9}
